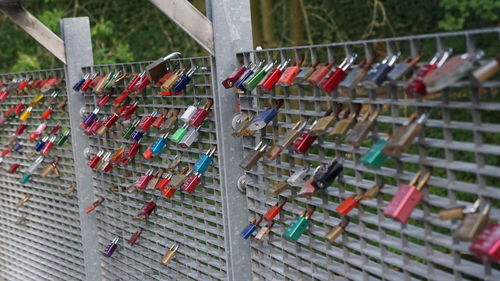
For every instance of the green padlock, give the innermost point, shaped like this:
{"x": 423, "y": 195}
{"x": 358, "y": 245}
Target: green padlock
{"x": 25, "y": 178}
{"x": 128, "y": 132}
{"x": 179, "y": 134}
{"x": 255, "y": 79}
{"x": 63, "y": 138}
{"x": 374, "y": 157}
{"x": 299, "y": 225}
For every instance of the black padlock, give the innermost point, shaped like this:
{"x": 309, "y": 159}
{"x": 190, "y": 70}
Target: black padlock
{"x": 378, "y": 73}
{"x": 326, "y": 175}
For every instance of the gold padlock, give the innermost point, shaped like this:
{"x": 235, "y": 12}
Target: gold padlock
{"x": 51, "y": 168}
{"x": 342, "y": 126}
{"x": 169, "y": 83}
{"x": 170, "y": 254}
{"x": 23, "y": 200}
{"x": 372, "y": 192}
{"x": 278, "y": 188}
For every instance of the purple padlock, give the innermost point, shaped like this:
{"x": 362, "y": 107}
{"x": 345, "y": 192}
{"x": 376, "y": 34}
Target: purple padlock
{"x": 110, "y": 249}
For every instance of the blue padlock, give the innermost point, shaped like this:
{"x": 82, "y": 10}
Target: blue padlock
{"x": 246, "y": 75}
{"x": 137, "y": 135}
{"x": 205, "y": 160}
{"x": 17, "y": 147}
{"x": 159, "y": 144}
{"x": 180, "y": 84}
{"x": 41, "y": 144}
{"x": 79, "y": 84}
{"x": 261, "y": 120}
{"x": 252, "y": 226}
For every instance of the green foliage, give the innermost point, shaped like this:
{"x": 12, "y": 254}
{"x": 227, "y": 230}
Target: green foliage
{"x": 24, "y": 62}
{"x": 462, "y": 13}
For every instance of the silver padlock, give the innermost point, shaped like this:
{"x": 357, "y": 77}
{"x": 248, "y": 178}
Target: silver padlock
{"x": 298, "y": 178}
{"x": 188, "y": 113}
{"x": 190, "y": 137}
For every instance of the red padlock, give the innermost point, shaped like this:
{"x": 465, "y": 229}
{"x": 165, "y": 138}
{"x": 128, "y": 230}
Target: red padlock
{"x": 231, "y": 79}
{"x": 486, "y": 246}
{"x": 92, "y": 129}
{"x": 22, "y": 85}
{"x": 192, "y": 182}
{"x": 129, "y": 110}
{"x": 147, "y": 154}
{"x": 169, "y": 192}
{"x": 273, "y": 77}
{"x": 289, "y": 74}
{"x": 94, "y": 205}
{"x": 145, "y": 211}
{"x": 416, "y": 85}
{"x": 303, "y": 143}
{"x": 337, "y": 75}
{"x": 348, "y": 204}
{"x": 55, "y": 130}
{"x": 46, "y": 114}
{"x": 201, "y": 114}
{"x": 135, "y": 80}
{"x": 134, "y": 237}
{"x": 13, "y": 168}
{"x": 97, "y": 158}
{"x": 275, "y": 210}
{"x": 20, "y": 129}
{"x": 159, "y": 121}
{"x": 120, "y": 98}
{"x": 163, "y": 182}
{"x": 147, "y": 122}
{"x": 144, "y": 180}
{"x": 320, "y": 72}
{"x": 18, "y": 109}
{"x": 103, "y": 100}
{"x": 132, "y": 150}
{"x": 3, "y": 95}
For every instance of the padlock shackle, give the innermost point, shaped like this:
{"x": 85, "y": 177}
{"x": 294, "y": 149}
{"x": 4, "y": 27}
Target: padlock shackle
{"x": 423, "y": 118}
{"x": 309, "y": 212}
{"x": 348, "y": 61}
{"x": 393, "y": 59}
{"x": 208, "y": 104}
{"x": 443, "y": 57}
{"x": 174, "y": 248}
{"x": 424, "y": 180}
{"x": 284, "y": 64}
{"x": 375, "y": 115}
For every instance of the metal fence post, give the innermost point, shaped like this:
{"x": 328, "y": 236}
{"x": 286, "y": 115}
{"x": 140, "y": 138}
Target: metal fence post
{"x": 232, "y": 27}
{"x": 77, "y": 42}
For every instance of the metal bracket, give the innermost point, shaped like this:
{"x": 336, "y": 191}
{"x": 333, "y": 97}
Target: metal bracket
{"x": 35, "y": 28}
{"x": 190, "y": 19}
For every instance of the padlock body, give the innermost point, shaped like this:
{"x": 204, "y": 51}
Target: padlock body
{"x": 320, "y": 72}
{"x": 326, "y": 175}
{"x": 486, "y": 246}
{"x": 169, "y": 192}
{"x": 288, "y": 76}
{"x": 296, "y": 229}
{"x": 134, "y": 237}
{"x": 487, "y": 70}
{"x": 177, "y": 180}
{"x": 302, "y": 144}
{"x": 25, "y": 178}
{"x": 274, "y": 152}
{"x": 278, "y": 188}
{"x": 189, "y": 138}
{"x": 272, "y": 213}
{"x": 261, "y": 120}
{"x": 253, "y": 81}
{"x": 402, "y": 139}
{"x": 346, "y": 206}
{"x": 359, "y": 132}
{"x": 271, "y": 80}
{"x": 178, "y": 135}
{"x": 251, "y": 159}
{"x": 307, "y": 190}
{"x": 403, "y": 203}
{"x": 334, "y": 233}
{"x": 188, "y": 113}
{"x": 181, "y": 83}
{"x": 263, "y": 232}
{"x": 341, "y": 127}
{"x": 169, "y": 255}
{"x": 452, "y": 213}
{"x": 471, "y": 226}
{"x": 398, "y": 71}
{"x": 198, "y": 117}
{"x": 146, "y": 210}
{"x": 239, "y": 84}
{"x": 322, "y": 125}
{"x": 454, "y": 69}
{"x": 229, "y": 81}
{"x": 334, "y": 80}
{"x": 376, "y": 76}
{"x": 248, "y": 231}
{"x": 374, "y": 158}
{"x": 203, "y": 163}
{"x": 416, "y": 84}
{"x": 304, "y": 74}
{"x": 191, "y": 183}
{"x": 159, "y": 145}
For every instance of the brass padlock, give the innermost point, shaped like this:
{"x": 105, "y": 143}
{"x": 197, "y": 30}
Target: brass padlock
{"x": 278, "y": 188}
{"x": 264, "y": 231}
{"x": 361, "y": 129}
{"x": 23, "y": 200}
{"x": 242, "y": 129}
{"x": 472, "y": 225}
{"x": 458, "y": 212}
{"x": 170, "y": 254}
{"x": 170, "y": 122}
{"x": 343, "y": 125}
{"x": 178, "y": 180}
{"x": 404, "y": 136}
{"x": 324, "y": 123}
{"x": 51, "y": 168}
{"x": 169, "y": 83}
{"x": 253, "y": 156}
{"x": 372, "y": 192}
{"x": 335, "y": 232}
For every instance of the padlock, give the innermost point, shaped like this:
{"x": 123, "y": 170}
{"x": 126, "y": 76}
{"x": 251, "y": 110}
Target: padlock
{"x": 94, "y": 205}
{"x": 178, "y": 180}
{"x": 132, "y": 150}
{"x": 17, "y": 147}
{"x": 48, "y": 146}
{"x": 63, "y": 138}
{"x": 103, "y": 100}
{"x": 129, "y": 110}
{"x": 21, "y": 219}
{"x": 239, "y": 84}
{"x": 92, "y": 130}
{"x": 159, "y": 144}
{"x": 362, "y": 128}
{"x": 163, "y": 181}
{"x": 3, "y": 95}
{"x": 96, "y": 159}
{"x": 260, "y": 121}
{"x": 170, "y": 122}
{"x": 34, "y": 102}
{"x": 286, "y": 141}
{"x": 230, "y": 81}
{"x": 337, "y": 75}
{"x": 19, "y": 108}
{"x": 416, "y": 86}
{"x": 143, "y": 181}
{"x": 23, "y": 200}
{"x": 374, "y": 158}
{"x": 304, "y": 142}
{"x": 404, "y": 135}
{"x": 263, "y": 232}
{"x": 137, "y": 135}
{"x": 170, "y": 254}
{"x": 319, "y": 73}
{"x": 192, "y": 182}
{"x": 182, "y": 82}
{"x": 111, "y": 247}
{"x": 201, "y": 114}
{"x": 47, "y": 113}
{"x": 299, "y": 177}
{"x": 189, "y": 138}
{"x": 335, "y": 232}
{"x": 159, "y": 120}
{"x": 252, "y": 226}
{"x": 278, "y": 188}
{"x": 147, "y": 122}
{"x": 169, "y": 192}
{"x": 50, "y": 168}
{"x": 343, "y": 125}
{"x": 272, "y": 78}
{"x": 372, "y": 192}
{"x": 89, "y": 119}
{"x": 188, "y": 113}
{"x": 180, "y": 133}
{"x": 48, "y": 102}
{"x": 458, "y": 212}
{"x": 378, "y": 73}
{"x": 205, "y": 160}
{"x": 299, "y": 225}
{"x": 258, "y": 76}
{"x": 487, "y": 70}
{"x": 400, "y": 69}
{"x": 305, "y": 73}
{"x": 70, "y": 189}
{"x": 486, "y": 246}
{"x": 39, "y": 130}
{"x": 100, "y": 85}
{"x": 26, "y": 114}
{"x": 167, "y": 85}
{"x": 78, "y": 85}
{"x": 407, "y": 198}
{"x": 131, "y": 129}
{"x": 473, "y": 224}
{"x": 86, "y": 85}
{"x": 253, "y": 156}
{"x": 25, "y": 178}
{"x": 321, "y": 125}
{"x": 33, "y": 166}
{"x": 326, "y": 175}
{"x": 145, "y": 211}
{"x": 307, "y": 190}
{"x": 241, "y": 126}
{"x": 134, "y": 82}
{"x": 133, "y": 239}
{"x": 453, "y": 70}
{"x": 20, "y": 129}
{"x": 108, "y": 124}
{"x": 290, "y": 73}
{"x": 275, "y": 210}
{"x": 104, "y": 160}
{"x": 13, "y": 168}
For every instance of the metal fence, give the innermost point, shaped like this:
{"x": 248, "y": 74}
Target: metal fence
{"x": 47, "y": 244}
{"x": 459, "y": 143}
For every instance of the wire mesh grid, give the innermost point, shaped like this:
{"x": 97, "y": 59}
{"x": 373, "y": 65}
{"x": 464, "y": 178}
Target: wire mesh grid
{"x": 459, "y": 143}
{"x": 192, "y": 221}
{"x": 47, "y": 245}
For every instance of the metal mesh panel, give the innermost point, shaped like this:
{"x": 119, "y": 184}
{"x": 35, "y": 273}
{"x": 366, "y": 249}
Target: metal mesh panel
{"x": 193, "y": 221}
{"x": 47, "y": 246}
{"x": 459, "y": 142}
